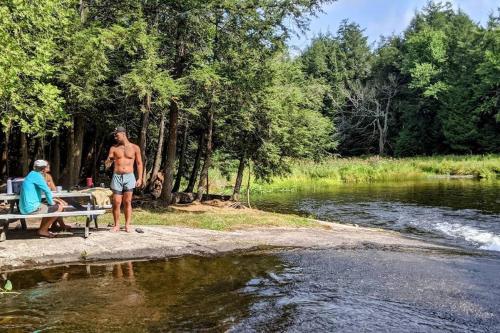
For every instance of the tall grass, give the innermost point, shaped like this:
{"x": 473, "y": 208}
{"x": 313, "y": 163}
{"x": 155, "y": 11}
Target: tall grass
{"x": 335, "y": 171}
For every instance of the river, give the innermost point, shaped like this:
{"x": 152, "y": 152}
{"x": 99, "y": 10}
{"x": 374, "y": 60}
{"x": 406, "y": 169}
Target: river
{"x": 458, "y": 212}
{"x": 293, "y": 291}
{"x": 345, "y": 290}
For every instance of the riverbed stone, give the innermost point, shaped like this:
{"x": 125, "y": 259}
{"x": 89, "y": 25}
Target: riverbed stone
{"x": 26, "y": 250}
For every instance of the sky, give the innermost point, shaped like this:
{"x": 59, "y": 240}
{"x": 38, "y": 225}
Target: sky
{"x": 381, "y": 17}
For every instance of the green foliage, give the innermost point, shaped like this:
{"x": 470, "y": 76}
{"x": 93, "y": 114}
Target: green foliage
{"x": 432, "y": 90}
{"x": 443, "y": 73}
{"x": 339, "y": 61}
{"x": 146, "y": 76}
{"x": 444, "y": 52}
{"x": 29, "y": 59}
{"x": 86, "y": 66}
{"x": 7, "y": 286}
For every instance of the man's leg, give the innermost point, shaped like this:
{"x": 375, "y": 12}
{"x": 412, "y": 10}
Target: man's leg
{"x": 47, "y": 222}
{"x": 60, "y": 223}
{"x": 127, "y": 207}
{"x": 117, "y": 202}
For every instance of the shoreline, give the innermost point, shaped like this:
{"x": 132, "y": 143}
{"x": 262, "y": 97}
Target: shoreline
{"x": 161, "y": 242}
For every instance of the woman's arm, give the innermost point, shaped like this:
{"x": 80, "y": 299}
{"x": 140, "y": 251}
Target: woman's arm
{"x": 50, "y": 182}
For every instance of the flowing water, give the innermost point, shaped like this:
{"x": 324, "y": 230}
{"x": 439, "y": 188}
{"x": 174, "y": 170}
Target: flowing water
{"x": 461, "y": 212}
{"x": 314, "y": 291}
{"x": 363, "y": 290}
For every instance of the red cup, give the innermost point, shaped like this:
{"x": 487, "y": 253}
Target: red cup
{"x": 90, "y": 183}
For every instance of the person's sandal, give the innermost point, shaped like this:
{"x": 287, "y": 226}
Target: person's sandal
{"x": 50, "y": 235}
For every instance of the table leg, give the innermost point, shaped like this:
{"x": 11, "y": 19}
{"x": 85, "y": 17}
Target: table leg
{"x": 13, "y": 204}
{"x": 87, "y": 226}
{"x": 23, "y": 224}
{"x": 3, "y": 231}
{"x": 95, "y": 216}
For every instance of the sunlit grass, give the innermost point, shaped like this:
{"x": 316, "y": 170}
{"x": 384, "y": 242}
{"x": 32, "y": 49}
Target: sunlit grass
{"x": 223, "y": 219}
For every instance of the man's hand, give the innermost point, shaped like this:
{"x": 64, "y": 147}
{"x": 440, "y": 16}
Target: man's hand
{"x": 110, "y": 159}
{"x": 108, "y": 163}
{"x": 138, "y": 183}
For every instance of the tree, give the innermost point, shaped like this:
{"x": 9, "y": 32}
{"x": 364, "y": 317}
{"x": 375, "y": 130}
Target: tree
{"x": 341, "y": 60}
{"x": 148, "y": 81}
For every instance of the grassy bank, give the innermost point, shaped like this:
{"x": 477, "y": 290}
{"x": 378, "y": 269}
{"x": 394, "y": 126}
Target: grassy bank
{"x": 214, "y": 219}
{"x": 355, "y": 170}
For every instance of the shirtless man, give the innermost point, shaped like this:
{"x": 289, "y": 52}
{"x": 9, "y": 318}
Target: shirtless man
{"x": 123, "y": 155}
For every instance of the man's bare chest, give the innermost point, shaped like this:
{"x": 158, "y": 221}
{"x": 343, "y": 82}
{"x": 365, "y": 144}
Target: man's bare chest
{"x": 127, "y": 152}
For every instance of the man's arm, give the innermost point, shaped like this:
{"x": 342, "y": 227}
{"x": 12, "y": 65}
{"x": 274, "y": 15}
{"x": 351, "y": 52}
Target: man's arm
{"x": 140, "y": 167}
{"x": 110, "y": 159}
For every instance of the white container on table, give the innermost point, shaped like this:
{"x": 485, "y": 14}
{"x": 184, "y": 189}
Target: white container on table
{"x": 9, "y": 186}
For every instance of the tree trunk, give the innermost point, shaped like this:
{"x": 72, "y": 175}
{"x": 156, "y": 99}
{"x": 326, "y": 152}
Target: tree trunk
{"x": 95, "y": 161}
{"x": 239, "y": 180}
{"x": 39, "y": 150}
{"x": 178, "y": 70}
{"x": 382, "y": 128}
{"x": 248, "y": 184}
{"x": 203, "y": 183}
{"x": 386, "y": 124}
{"x": 5, "y": 153}
{"x": 68, "y": 167}
{"x": 380, "y": 138}
{"x": 83, "y": 11}
{"x": 78, "y": 148}
{"x": 196, "y": 166}
{"x": 182, "y": 158}
{"x": 23, "y": 147}
{"x": 144, "y": 133}
{"x": 74, "y": 152}
{"x": 166, "y": 192}
{"x": 55, "y": 166}
{"x": 89, "y": 159}
{"x": 159, "y": 151}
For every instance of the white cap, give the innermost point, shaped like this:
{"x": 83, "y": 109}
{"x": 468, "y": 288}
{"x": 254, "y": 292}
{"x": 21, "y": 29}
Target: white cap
{"x": 40, "y": 163}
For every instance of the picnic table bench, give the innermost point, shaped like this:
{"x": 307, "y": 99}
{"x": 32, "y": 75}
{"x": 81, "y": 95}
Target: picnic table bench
{"x": 89, "y": 210}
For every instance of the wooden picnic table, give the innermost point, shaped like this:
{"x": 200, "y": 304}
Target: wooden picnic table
{"x": 88, "y": 210}
{"x": 13, "y": 200}
{"x": 62, "y": 194}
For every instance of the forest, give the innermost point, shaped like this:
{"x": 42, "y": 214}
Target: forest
{"x": 212, "y": 84}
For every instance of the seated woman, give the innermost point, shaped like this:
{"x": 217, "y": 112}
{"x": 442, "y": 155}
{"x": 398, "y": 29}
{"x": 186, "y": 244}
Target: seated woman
{"x": 30, "y": 198}
{"x": 50, "y": 182}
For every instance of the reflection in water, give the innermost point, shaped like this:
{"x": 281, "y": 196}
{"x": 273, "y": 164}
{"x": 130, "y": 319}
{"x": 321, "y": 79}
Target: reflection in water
{"x": 187, "y": 293}
{"x": 350, "y": 291}
{"x": 76, "y": 297}
{"x": 456, "y": 212}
